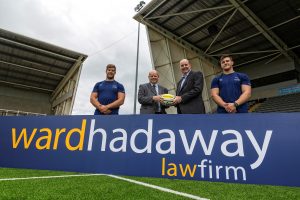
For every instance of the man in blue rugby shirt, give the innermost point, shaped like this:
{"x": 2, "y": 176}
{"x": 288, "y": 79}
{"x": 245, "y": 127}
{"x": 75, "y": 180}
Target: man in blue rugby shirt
{"x": 230, "y": 90}
{"x": 108, "y": 95}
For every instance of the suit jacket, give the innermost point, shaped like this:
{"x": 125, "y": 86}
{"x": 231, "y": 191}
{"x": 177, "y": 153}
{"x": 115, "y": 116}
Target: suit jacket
{"x": 145, "y": 94}
{"x": 191, "y": 94}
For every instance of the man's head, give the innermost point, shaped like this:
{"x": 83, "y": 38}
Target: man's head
{"x": 153, "y": 76}
{"x": 185, "y": 66}
{"x": 226, "y": 62}
{"x": 110, "y": 71}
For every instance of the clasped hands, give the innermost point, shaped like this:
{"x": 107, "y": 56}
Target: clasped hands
{"x": 104, "y": 109}
{"x": 230, "y": 107}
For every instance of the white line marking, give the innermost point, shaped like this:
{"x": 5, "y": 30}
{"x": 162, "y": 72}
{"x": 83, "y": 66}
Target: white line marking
{"x": 113, "y": 176}
{"x": 159, "y": 188}
{"x": 47, "y": 177}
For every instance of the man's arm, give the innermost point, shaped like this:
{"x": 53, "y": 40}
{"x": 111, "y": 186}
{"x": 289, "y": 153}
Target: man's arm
{"x": 117, "y": 103}
{"x": 195, "y": 91}
{"x": 144, "y": 99}
{"x": 94, "y": 100}
{"x": 245, "y": 96}
{"x": 216, "y": 97}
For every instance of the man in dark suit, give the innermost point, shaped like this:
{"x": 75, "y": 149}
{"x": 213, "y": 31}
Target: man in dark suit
{"x": 188, "y": 98}
{"x": 149, "y": 95}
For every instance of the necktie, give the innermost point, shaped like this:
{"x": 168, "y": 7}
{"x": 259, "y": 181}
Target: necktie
{"x": 154, "y": 87}
{"x": 182, "y": 81}
{"x": 157, "y": 93}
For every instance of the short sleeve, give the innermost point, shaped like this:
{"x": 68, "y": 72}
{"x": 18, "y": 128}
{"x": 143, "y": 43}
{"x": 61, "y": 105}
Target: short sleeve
{"x": 215, "y": 82}
{"x": 121, "y": 88}
{"x": 95, "y": 89}
{"x": 245, "y": 80}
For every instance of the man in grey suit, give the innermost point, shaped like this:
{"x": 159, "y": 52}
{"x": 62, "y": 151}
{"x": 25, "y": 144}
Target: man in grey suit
{"x": 149, "y": 95}
{"x": 188, "y": 98}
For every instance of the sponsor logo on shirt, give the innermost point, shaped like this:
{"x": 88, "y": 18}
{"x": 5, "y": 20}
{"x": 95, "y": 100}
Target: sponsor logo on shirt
{"x": 237, "y": 79}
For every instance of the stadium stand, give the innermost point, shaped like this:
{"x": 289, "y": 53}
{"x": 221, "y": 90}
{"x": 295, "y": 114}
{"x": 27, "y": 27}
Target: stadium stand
{"x": 5, "y": 112}
{"x": 37, "y": 78}
{"x": 254, "y": 104}
{"x": 260, "y": 35}
{"x": 284, "y": 103}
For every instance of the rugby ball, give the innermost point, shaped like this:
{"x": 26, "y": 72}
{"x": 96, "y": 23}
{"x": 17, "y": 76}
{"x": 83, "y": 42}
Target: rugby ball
{"x": 167, "y": 99}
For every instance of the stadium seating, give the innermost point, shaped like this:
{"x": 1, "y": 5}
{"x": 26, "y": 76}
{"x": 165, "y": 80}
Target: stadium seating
{"x": 285, "y": 103}
{"x": 5, "y": 112}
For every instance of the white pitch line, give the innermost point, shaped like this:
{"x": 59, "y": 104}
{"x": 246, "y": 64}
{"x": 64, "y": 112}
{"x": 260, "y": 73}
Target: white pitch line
{"x": 48, "y": 177}
{"x": 159, "y": 188}
{"x": 113, "y": 176}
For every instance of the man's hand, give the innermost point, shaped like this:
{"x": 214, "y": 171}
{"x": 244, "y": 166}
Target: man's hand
{"x": 230, "y": 107}
{"x": 157, "y": 98}
{"x": 104, "y": 109}
{"x": 107, "y": 112}
{"x": 177, "y": 100}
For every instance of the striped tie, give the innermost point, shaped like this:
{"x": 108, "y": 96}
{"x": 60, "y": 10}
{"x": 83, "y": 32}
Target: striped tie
{"x": 182, "y": 81}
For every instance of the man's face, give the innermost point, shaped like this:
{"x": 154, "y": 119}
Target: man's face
{"x": 185, "y": 66}
{"x": 226, "y": 64}
{"x": 110, "y": 73}
{"x": 153, "y": 77}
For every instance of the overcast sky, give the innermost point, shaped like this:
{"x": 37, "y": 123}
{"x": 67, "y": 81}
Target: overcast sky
{"x": 103, "y": 30}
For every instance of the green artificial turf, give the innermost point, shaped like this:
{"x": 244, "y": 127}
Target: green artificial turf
{"x": 213, "y": 190}
{"x": 105, "y": 187}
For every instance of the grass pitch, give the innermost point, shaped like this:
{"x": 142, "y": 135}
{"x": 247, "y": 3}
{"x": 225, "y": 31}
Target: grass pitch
{"x": 106, "y": 187}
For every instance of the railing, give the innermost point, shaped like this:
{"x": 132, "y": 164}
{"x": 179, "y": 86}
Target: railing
{"x": 6, "y": 112}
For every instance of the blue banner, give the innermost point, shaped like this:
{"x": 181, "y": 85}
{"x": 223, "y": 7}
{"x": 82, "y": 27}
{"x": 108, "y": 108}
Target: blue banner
{"x": 238, "y": 148}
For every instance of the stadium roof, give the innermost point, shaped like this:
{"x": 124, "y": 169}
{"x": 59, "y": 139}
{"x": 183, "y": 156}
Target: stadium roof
{"x": 36, "y": 65}
{"x": 251, "y": 30}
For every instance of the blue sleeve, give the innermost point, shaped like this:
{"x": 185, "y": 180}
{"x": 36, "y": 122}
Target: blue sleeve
{"x": 121, "y": 88}
{"x": 245, "y": 80}
{"x": 95, "y": 89}
{"x": 215, "y": 82}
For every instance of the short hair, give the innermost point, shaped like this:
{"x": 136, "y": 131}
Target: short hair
{"x": 110, "y": 66}
{"x": 153, "y": 71}
{"x": 225, "y": 56}
{"x": 184, "y": 59}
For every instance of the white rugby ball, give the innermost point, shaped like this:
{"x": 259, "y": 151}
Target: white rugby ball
{"x": 167, "y": 98}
